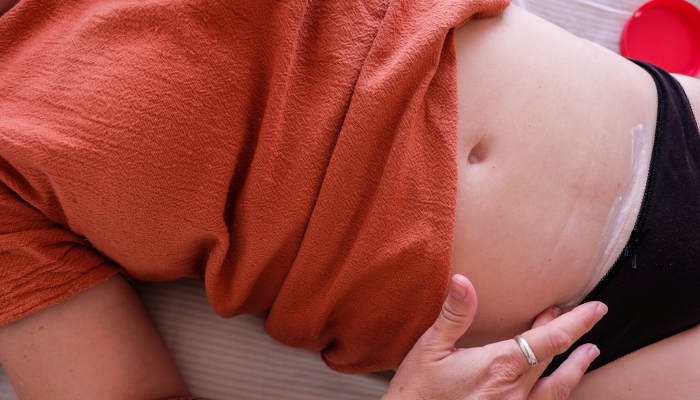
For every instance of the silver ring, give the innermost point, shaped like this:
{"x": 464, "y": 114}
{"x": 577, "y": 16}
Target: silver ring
{"x": 526, "y": 350}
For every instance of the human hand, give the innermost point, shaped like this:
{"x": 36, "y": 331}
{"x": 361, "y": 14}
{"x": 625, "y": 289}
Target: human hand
{"x": 435, "y": 369}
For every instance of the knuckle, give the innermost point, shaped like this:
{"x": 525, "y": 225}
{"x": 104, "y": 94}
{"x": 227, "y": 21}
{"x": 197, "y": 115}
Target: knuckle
{"x": 451, "y": 313}
{"x": 508, "y": 366}
{"x": 560, "y": 391}
{"x": 558, "y": 340}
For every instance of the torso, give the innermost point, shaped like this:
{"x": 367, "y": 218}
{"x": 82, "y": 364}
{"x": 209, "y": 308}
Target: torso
{"x": 544, "y": 149}
{"x": 547, "y": 118}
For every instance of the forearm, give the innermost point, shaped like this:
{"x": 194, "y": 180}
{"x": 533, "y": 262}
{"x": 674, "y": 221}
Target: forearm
{"x": 101, "y": 343}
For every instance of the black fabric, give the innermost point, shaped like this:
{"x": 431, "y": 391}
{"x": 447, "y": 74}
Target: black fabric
{"x": 653, "y": 289}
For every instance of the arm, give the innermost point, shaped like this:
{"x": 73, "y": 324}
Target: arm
{"x": 101, "y": 344}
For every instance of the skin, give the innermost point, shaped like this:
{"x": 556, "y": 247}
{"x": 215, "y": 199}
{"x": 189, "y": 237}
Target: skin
{"x": 543, "y": 150}
{"x": 665, "y": 370}
{"x": 434, "y": 369}
{"x": 100, "y": 344}
{"x": 542, "y": 154}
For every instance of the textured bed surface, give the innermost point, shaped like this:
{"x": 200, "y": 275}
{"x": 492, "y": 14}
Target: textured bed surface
{"x": 235, "y": 359}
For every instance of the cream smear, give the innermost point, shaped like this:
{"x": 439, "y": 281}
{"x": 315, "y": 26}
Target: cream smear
{"x": 623, "y": 213}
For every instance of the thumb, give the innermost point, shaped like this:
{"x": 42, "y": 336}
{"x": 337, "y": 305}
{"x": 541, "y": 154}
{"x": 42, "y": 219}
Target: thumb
{"x": 457, "y": 314}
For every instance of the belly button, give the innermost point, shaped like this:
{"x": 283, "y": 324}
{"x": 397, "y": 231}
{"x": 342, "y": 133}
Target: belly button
{"x": 477, "y": 154}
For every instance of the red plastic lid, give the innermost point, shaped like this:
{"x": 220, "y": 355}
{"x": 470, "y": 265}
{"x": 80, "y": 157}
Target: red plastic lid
{"x": 665, "y": 33}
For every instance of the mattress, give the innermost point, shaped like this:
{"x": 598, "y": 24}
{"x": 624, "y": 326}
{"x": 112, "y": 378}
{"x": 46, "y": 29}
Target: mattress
{"x": 234, "y": 358}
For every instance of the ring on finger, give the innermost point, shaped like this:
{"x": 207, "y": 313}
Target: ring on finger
{"x": 529, "y": 354}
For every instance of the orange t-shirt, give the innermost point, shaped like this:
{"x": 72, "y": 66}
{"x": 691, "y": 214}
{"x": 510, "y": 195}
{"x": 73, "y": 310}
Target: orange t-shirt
{"x": 300, "y": 156}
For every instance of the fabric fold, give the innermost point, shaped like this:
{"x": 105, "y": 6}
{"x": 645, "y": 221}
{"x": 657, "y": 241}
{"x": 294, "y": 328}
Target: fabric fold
{"x": 300, "y": 156}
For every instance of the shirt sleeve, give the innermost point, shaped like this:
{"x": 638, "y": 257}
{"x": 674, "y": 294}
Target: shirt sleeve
{"x": 41, "y": 262}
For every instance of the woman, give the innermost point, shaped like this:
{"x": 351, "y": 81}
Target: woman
{"x": 541, "y": 161}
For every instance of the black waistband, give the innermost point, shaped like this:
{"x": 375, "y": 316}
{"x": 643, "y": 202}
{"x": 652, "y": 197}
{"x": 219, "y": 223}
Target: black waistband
{"x": 653, "y": 289}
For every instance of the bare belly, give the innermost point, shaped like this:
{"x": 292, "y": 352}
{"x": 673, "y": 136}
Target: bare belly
{"x": 543, "y": 146}
{"x": 544, "y": 150}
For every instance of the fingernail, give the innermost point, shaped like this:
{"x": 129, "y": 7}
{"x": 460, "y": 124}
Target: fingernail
{"x": 593, "y": 352}
{"x": 556, "y": 312}
{"x": 459, "y": 288}
{"x": 600, "y": 310}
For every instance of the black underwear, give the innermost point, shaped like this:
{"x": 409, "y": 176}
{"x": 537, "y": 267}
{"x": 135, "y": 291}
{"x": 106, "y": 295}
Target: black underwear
{"x": 653, "y": 289}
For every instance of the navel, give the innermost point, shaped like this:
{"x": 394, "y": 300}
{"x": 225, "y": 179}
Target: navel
{"x": 478, "y": 153}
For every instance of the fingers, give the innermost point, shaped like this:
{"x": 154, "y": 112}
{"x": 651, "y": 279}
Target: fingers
{"x": 546, "y": 316}
{"x": 559, "y": 385}
{"x": 457, "y": 314}
{"x": 559, "y": 334}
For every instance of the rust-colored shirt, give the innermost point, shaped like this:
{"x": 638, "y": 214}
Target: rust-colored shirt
{"x": 300, "y": 156}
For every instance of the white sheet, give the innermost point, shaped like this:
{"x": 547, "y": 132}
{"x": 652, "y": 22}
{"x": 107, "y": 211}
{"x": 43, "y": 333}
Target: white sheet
{"x": 234, "y": 359}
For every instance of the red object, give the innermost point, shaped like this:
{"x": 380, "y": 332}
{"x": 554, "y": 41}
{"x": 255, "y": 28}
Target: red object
{"x": 665, "y": 33}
